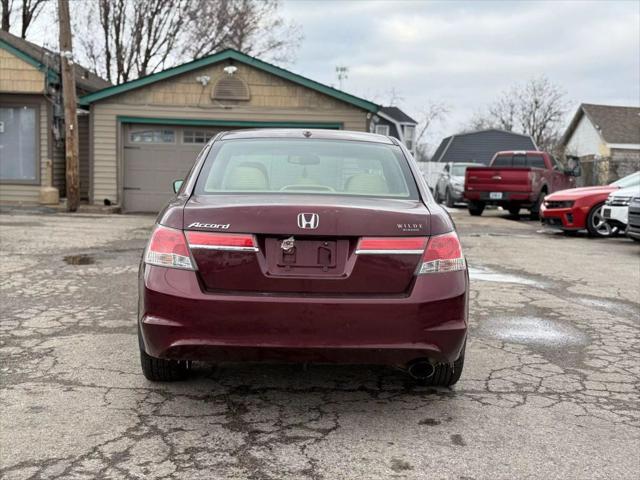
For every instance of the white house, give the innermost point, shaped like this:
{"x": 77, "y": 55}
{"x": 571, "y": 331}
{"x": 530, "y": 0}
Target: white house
{"x": 606, "y": 138}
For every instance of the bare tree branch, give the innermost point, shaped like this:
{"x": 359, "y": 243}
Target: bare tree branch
{"x": 7, "y": 8}
{"x": 250, "y": 26}
{"x": 536, "y": 108}
{"x": 140, "y": 37}
{"x": 30, "y": 11}
{"x": 432, "y": 113}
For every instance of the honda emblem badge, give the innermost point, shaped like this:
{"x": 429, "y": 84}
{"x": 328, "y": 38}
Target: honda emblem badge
{"x": 308, "y": 220}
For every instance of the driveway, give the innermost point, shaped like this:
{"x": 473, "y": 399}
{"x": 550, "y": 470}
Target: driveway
{"x": 550, "y": 387}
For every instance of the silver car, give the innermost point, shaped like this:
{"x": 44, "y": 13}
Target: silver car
{"x": 450, "y": 185}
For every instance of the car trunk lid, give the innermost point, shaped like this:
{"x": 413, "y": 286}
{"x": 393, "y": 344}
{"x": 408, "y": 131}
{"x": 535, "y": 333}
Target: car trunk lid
{"x": 306, "y": 244}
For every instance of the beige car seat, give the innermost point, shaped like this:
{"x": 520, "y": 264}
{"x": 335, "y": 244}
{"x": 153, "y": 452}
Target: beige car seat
{"x": 247, "y": 176}
{"x": 367, "y": 183}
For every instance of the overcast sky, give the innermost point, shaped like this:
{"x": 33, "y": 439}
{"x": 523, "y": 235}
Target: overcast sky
{"x": 466, "y": 53}
{"x": 462, "y": 53}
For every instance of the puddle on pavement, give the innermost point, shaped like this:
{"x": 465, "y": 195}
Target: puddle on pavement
{"x": 79, "y": 260}
{"x": 532, "y": 331}
{"x": 487, "y": 275}
{"x": 609, "y": 306}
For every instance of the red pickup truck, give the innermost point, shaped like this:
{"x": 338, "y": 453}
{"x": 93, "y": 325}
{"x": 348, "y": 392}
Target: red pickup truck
{"x": 515, "y": 180}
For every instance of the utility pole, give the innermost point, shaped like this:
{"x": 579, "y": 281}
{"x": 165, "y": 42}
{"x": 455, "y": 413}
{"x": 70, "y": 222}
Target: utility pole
{"x": 70, "y": 113}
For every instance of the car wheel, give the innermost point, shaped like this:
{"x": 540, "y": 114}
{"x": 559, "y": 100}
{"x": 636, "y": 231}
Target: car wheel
{"x": 535, "y": 209}
{"x": 448, "y": 199}
{"x": 476, "y": 208}
{"x": 514, "y": 210}
{"x": 445, "y": 375}
{"x": 160, "y": 369}
{"x": 597, "y": 225}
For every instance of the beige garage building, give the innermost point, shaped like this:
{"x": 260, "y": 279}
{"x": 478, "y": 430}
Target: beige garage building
{"x": 147, "y": 132}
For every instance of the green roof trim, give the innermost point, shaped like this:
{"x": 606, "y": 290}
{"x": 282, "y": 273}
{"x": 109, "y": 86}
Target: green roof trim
{"x": 230, "y": 54}
{"x": 197, "y": 122}
{"x": 51, "y": 74}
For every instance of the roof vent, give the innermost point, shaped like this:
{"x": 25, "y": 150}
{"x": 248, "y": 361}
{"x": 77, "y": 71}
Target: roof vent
{"x": 230, "y": 87}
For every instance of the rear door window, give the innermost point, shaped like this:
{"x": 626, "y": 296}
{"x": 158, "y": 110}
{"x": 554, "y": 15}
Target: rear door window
{"x": 502, "y": 161}
{"x": 519, "y": 160}
{"x": 309, "y": 166}
{"x": 536, "y": 161}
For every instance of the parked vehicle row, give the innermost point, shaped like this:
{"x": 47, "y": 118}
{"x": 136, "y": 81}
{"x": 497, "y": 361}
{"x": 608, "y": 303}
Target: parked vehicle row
{"x": 601, "y": 210}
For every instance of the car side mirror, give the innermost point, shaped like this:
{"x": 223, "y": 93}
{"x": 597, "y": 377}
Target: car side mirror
{"x": 177, "y": 184}
{"x": 574, "y": 169}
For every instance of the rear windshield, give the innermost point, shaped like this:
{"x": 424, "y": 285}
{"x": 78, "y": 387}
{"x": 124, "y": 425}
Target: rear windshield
{"x": 458, "y": 170}
{"x": 308, "y": 166}
{"x": 519, "y": 160}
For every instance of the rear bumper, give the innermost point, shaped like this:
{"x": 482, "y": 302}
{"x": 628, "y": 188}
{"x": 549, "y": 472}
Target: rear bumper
{"x": 522, "y": 198}
{"x": 574, "y": 218}
{"x": 178, "y": 320}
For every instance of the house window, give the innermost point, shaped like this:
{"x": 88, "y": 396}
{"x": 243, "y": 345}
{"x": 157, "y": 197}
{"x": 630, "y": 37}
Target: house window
{"x": 382, "y": 130}
{"x": 18, "y": 145}
{"x": 154, "y": 135}
{"x": 196, "y": 136}
{"x": 409, "y": 133}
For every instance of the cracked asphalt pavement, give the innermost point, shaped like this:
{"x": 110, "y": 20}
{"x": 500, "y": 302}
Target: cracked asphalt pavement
{"x": 550, "y": 387}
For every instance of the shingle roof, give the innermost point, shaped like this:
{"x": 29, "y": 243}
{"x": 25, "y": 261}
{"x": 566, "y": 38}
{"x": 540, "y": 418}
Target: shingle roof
{"x": 397, "y": 114}
{"x": 85, "y": 80}
{"x": 230, "y": 54}
{"x": 480, "y": 146}
{"x": 616, "y": 124}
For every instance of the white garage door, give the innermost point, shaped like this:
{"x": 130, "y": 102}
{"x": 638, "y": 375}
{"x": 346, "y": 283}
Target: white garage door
{"x": 155, "y": 156}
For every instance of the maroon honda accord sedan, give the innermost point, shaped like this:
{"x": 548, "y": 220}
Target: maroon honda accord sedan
{"x": 304, "y": 245}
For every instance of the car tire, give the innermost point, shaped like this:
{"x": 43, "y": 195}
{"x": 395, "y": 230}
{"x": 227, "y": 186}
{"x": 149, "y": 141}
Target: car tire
{"x": 597, "y": 226}
{"x": 570, "y": 233}
{"x": 514, "y": 210}
{"x": 476, "y": 208}
{"x": 160, "y": 369}
{"x": 535, "y": 209}
{"x": 448, "y": 199}
{"x": 445, "y": 375}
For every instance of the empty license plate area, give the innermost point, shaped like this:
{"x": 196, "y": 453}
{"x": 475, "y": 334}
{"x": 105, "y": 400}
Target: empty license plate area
{"x": 290, "y": 256}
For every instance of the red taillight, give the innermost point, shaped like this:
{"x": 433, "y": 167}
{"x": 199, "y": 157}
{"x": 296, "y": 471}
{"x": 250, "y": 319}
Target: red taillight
{"x": 168, "y": 248}
{"x": 222, "y": 241}
{"x": 391, "y": 245}
{"x": 443, "y": 254}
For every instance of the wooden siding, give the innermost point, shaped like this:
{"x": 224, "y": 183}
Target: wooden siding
{"x": 272, "y": 99}
{"x": 17, "y": 76}
{"x": 30, "y": 194}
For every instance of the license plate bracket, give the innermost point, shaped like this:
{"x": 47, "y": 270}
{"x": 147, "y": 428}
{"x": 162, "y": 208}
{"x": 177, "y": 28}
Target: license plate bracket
{"x": 286, "y": 257}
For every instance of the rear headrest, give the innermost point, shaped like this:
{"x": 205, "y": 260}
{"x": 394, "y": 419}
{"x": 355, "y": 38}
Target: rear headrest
{"x": 367, "y": 183}
{"x": 247, "y": 176}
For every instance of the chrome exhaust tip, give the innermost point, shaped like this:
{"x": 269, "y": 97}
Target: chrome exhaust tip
{"x": 420, "y": 369}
